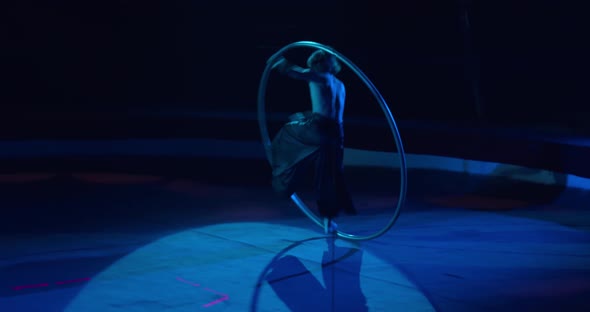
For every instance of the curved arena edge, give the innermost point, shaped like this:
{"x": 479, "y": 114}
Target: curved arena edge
{"x": 225, "y": 145}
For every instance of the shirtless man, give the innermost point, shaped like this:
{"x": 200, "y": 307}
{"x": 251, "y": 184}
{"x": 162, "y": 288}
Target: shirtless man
{"x": 327, "y": 92}
{"x": 315, "y": 138}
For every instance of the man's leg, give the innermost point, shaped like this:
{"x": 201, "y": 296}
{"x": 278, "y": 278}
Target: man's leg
{"x": 291, "y": 157}
{"x": 343, "y": 194}
{"x": 327, "y": 202}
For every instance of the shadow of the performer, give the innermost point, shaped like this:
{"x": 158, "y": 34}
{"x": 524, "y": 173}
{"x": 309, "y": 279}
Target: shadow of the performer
{"x": 338, "y": 290}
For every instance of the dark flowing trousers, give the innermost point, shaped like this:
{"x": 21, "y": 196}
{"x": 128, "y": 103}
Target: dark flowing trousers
{"x": 307, "y": 142}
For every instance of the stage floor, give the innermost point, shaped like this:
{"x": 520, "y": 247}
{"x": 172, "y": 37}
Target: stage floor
{"x": 113, "y": 241}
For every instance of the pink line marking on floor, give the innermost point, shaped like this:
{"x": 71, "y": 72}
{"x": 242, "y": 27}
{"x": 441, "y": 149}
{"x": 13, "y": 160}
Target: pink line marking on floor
{"x": 78, "y": 280}
{"x": 182, "y": 280}
{"x": 30, "y": 286}
{"x": 224, "y": 297}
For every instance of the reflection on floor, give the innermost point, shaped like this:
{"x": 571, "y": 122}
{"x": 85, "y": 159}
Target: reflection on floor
{"x": 120, "y": 242}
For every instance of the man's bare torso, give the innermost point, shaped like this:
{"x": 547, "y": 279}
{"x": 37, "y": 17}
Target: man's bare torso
{"x": 328, "y": 97}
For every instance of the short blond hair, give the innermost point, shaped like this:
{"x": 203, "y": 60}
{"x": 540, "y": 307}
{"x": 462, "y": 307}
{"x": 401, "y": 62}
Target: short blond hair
{"x": 323, "y": 61}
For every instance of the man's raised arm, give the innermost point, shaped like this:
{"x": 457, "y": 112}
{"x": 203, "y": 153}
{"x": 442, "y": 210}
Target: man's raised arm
{"x": 287, "y": 68}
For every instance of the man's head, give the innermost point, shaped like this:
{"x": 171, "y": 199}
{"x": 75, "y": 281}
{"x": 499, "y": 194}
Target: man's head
{"x": 322, "y": 61}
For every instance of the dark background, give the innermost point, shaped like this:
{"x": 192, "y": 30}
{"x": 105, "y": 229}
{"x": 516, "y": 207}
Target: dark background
{"x": 519, "y": 63}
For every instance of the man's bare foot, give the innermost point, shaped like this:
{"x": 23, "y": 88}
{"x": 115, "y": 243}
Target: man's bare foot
{"x": 330, "y": 226}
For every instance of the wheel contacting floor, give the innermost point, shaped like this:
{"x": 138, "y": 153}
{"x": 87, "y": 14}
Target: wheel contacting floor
{"x": 139, "y": 243}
